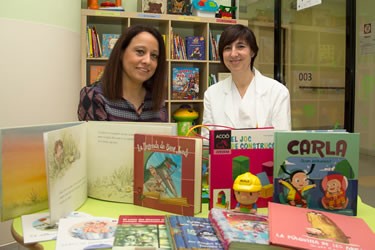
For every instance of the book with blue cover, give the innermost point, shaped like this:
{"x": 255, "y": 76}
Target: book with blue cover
{"x": 188, "y": 232}
{"x": 195, "y": 48}
{"x": 108, "y": 43}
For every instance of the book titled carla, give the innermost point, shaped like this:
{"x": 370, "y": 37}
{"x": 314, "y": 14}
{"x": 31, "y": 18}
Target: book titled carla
{"x": 305, "y": 228}
{"x": 195, "y": 48}
{"x": 141, "y": 232}
{"x": 57, "y": 166}
{"x": 234, "y": 152}
{"x": 238, "y": 230}
{"x": 185, "y": 83}
{"x": 317, "y": 170}
{"x": 168, "y": 173}
{"x": 188, "y": 232}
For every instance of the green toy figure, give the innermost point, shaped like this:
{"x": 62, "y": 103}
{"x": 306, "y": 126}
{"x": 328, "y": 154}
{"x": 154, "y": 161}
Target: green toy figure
{"x": 185, "y": 116}
{"x": 247, "y": 189}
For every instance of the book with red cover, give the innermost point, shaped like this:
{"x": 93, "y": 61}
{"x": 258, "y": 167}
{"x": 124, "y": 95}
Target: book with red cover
{"x": 168, "y": 173}
{"x": 314, "y": 229}
{"x": 233, "y": 152}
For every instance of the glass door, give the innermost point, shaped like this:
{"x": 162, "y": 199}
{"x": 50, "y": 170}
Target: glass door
{"x": 314, "y": 63}
{"x": 312, "y": 57}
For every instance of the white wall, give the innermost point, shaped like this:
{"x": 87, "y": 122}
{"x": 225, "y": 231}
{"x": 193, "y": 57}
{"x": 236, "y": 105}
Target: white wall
{"x": 39, "y": 65}
{"x": 365, "y": 81}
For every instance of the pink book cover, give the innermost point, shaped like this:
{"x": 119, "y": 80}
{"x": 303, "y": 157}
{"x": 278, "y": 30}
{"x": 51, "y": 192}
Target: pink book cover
{"x": 314, "y": 229}
{"x": 233, "y": 152}
{"x": 168, "y": 173}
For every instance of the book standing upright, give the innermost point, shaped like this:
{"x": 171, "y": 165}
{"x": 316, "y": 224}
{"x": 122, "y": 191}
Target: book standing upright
{"x": 234, "y": 152}
{"x": 185, "y": 83}
{"x": 168, "y": 173}
{"x": 317, "y": 169}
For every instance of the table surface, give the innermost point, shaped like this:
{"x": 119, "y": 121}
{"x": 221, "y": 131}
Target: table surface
{"x": 112, "y": 209}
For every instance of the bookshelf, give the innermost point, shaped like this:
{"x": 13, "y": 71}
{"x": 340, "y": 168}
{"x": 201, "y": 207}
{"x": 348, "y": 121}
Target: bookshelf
{"x": 117, "y": 22}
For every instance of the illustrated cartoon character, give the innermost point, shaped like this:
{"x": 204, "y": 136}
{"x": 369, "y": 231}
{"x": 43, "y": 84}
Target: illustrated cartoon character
{"x": 325, "y": 228}
{"x": 247, "y": 189}
{"x": 297, "y": 184}
{"x": 196, "y": 54}
{"x": 334, "y": 186}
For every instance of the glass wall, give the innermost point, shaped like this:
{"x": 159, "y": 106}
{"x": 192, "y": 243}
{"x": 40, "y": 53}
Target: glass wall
{"x": 313, "y": 57}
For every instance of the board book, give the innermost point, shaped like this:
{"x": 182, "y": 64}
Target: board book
{"x": 305, "y": 228}
{"x": 317, "y": 169}
{"x": 168, "y": 173}
{"x": 234, "y": 152}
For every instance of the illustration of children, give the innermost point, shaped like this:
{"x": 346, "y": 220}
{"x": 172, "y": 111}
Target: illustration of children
{"x": 334, "y": 186}
{"x": 297, "y": 185}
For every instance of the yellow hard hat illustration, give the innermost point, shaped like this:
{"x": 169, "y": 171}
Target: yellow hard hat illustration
{"x": 247, "y": 182}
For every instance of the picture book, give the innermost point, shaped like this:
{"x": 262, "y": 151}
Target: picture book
{"x": 168, "y": 173}
{"x": 37, "y": 227}
{"x": 195, "y": 48}
{"x": 238, "y": 230}
{"x": 95, "y": 73}
{"x": 179, "y": 7}
{"x": 154, "y": 6}
{"x": 185, "y": 83}
{"x": 305, "y": 228}
{"x": 237, "y": 151}
{"x": 317, "y": 169}
{"x": 85, "y": 233}
{"x": 188, "y": 232}
{"x": 141, "y": 232}
{"x": 108, "y": 43}
{"x": 23, "y": 170}
{"x": 66, "y": 161}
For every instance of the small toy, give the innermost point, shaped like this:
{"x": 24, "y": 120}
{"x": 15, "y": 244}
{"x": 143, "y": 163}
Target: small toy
{"x": 185, "y": 116}
{"x": 225, "y": 12}
{"x": 247, "y": 189}
{"x": 93, "y": 4}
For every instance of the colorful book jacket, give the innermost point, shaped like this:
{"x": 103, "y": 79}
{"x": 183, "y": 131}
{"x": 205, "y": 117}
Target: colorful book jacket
{"x": 234, "y": 152}
{"x": 76, "y": 233}
{"x": 195, "y": 48}
{"x": 188, "y": 232}
{"x": 168, "y": 173}
{"x": 179, "y": 7}
{"x": 57, "y": 166}
{"x": 108, "y": 43}
{"x": 317, "y": 169}
{"x": 141, "y": 232}
{"x": 185, "y": 83}
{"x": 239, "y": 230}
{"x": 305, "y": 228}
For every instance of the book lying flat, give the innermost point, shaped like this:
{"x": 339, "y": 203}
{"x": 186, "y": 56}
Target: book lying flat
{"x": 314, "y": 229}
{"x": 238, "y": 230}
{"x": 141, "y": 232}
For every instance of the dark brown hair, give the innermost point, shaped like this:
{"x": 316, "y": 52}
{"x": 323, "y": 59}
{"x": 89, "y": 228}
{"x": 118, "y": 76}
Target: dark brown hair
{"x": 112, "y": 76}
{"x": 238, "y": 31}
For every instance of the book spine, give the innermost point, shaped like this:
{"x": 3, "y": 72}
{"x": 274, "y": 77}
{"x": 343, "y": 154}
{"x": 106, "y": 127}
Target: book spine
{"x": 218, "y": 230}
